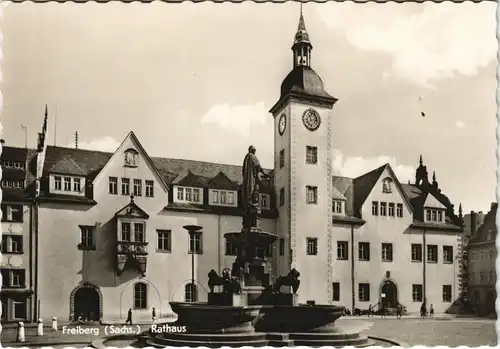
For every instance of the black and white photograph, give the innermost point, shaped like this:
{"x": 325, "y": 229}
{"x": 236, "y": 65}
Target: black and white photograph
{"x": 248, "y": 175}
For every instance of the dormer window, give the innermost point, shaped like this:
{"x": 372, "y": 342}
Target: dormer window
{"x": 223, "y": 197}
{"x": 337, "y": 207}
{"x": 265, "y": 201}
{"x": 66, "y": 185}
{"x": 386, "y": 185}
{"x": 14, "y": 164}
{"x": 188, "y": 195}
{"x": 434, "y": 215}
{"x": 131, "y": 158}
{"x": 13, "y": 184}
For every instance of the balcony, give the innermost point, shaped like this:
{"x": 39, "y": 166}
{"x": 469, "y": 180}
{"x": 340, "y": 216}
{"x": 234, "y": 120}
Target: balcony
{"x": 131, "y": 255}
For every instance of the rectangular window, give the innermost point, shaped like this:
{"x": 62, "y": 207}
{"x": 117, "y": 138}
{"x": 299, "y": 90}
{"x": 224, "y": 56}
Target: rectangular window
{"x": 137, "y": 187}
{"x": 215, "y": 197}
{"x": 391, "y": 209}
{"x": 180, "y": 194}
{"x": 432, "y": 253}
{"x": 87, "y": 238}
{"x": 16, "y": 244}
{"x": 311, "y": 155}
{"x": 12, "y": 213}
{"x": 364, "y": 292}
{"x": 150, "y": 189}
{"x": 491, "y": 276}
{"x": 77, "y": 185}
{"x": 417, "y": 293}
{"x": 342, "y": 250}
{"x": 264, "y": 201}
{"x": 113, "y": 185}
{"x": 428, "y": 215}
{"x": 189, "y": 194}
{"x": 125, "y": 186}
{"x": 282, "y": 196}
{"x": 335, "y": 291}
{"x": 482, "y": 277}
{"x": 222, "y": 197}
{"x": 416, "y": 252}
{"x": 17, "y": 278}
{"x": 312, "y": 246}
{"x": 312, "y": 195}
{"x": 282, "y": 246}
{"x": 139, "y": 232}
{"x": 446, "y": 293}
{"x": 67, "y": 183}
{"x": 231, "y": 249}
{"x": 282, "y": 158}
{"x": 363, "y": 251}
{"x": 383, "y": 208}
{"x": 386, "y": 252}
{"x": 448, "y": 254}
{"x": 399, "y": 210}
{"x": 126, "y": 232}
{"x": 337, "y": 206}
{"x": 230, "y": 198}
{"x": 19, "y": 309}
{"x": 57, "y": 183}
{"x": 195, "y": 243}
{"x": 196, "y": 195}
{"x": 440, "y": 216}
{"x": 375, "y": 208}
{"x": 164, "y": 240}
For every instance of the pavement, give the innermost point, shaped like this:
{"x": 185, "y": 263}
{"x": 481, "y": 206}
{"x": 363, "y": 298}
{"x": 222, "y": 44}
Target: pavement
{"x": 441, "y": 316}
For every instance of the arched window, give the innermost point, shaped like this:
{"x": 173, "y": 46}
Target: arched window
{"x": 140, "y": 295}
{"x": 131, "y": 157}
{"x": 190, "y": 293}
{"x": 386, "y": 185}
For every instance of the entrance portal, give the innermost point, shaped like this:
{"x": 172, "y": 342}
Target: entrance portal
{"x": 86, "y": 302}
{"x": 390, "y": 290}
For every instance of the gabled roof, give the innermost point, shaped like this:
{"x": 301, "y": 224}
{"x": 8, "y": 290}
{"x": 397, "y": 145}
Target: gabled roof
{"x": 192, "y": 180}
{"x": 221, "y": 181}
{"x": 135, "y": 140}
{"x": 432, "y": 202}
{"x": 67, "y": 166}
{"x": 363, "y": 186}
{"x": 336, "y": 195}
{"x": 132, "y": 211}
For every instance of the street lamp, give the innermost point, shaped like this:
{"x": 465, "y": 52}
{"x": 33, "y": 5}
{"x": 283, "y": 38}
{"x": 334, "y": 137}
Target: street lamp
{"x": 192, "y": 230}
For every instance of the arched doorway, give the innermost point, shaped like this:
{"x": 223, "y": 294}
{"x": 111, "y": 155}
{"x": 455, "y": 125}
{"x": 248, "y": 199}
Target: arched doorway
{"x": 86, "y": 303}
{"x": 389, "y": 294}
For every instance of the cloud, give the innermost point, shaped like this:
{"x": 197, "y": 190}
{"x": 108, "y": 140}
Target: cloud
{"x": 355, "y": 166}
{"x": 106, "y": 144}
{"x": 460, "y": 124}
{"x": 427, "y": 42}
{"x": 237, "y": 118}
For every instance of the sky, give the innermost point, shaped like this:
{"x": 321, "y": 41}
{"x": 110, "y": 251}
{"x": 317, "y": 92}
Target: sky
{"x": 196, "y": 81}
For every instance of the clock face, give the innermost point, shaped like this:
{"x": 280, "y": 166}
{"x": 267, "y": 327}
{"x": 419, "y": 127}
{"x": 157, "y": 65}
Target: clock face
{"x": 311, "y": 119}
{"x": 282, "y": 124}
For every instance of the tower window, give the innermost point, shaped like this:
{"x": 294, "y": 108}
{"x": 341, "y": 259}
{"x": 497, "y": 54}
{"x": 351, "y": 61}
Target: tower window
{"x": 383, "y": 209}
{"x": 282, "y": 158}
{"x": 391, "y": 209}
{"x": 311, "y": 195}
{"x": 311, "y": 155}
{"x": 282, "y": 196}
{"x": 399, "y": 210}
{"x": 375, "y": 208}
{"x": 312, "y": 246}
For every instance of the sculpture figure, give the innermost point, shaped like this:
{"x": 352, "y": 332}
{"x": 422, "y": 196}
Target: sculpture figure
{"x": 291, "y": 279}
{"x": 229, "y": 284}
{"x": 252, "y": 175}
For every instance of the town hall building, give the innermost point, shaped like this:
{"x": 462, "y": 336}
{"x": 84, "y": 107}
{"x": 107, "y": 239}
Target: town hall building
{"x": 106, "y": 229}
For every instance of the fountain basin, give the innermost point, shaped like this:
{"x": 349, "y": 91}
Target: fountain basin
{"x": 205, "y": 318}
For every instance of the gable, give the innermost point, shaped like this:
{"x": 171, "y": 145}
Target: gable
{"x": 380, "y": 184}
{"x": 221, "y": 181}
{"x": 132, "y": 211}
{"x": 189, "y": 179}
{"x": 432, "y": 202}
{"x": 67, "y": 166}
{"x": 131, "y": 155}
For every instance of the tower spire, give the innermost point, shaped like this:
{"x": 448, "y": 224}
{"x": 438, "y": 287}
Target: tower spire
{"x": 301, "y": 45}
{"x": 433, "y": 176}
{"x": 421, "y": 161}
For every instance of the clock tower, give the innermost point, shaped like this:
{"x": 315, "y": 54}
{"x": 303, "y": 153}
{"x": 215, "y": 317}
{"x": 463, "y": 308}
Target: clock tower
{"x": 303, "y": 176}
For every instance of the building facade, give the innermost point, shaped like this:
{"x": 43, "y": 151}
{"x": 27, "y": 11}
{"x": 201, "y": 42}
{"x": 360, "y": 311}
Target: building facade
{"x": 482, "y": 256}
{"x": 108, "y": 228}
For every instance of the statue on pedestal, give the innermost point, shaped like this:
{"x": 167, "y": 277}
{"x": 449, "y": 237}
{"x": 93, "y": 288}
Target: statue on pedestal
{"x": 253, "y": 173}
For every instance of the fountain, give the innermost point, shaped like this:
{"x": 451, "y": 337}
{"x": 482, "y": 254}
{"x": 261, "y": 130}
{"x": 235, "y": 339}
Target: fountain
{"x": 249, "y": 310}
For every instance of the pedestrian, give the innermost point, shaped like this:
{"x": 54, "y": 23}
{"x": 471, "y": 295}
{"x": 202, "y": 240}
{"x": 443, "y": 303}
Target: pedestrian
{"x": 129, "y": 317}
{"x": 154, "y": 314}
{"x": 423, "y": 310}
{"x": 431, "y": 311}
{"x": 369, "y": 310}
{"x": 399, "y": 311}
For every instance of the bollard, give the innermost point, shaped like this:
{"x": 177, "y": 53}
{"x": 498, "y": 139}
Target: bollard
{"x": 39, "y": 328}
{"x": 54, "y": 324}
{"x": 20, "y": 332}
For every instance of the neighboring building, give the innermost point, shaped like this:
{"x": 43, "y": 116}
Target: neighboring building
{"x": 472, "y": 222}
{"x": 482, "y": 256}
{"x": 16, "y": 264}
{"x": 112, "y": 237}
